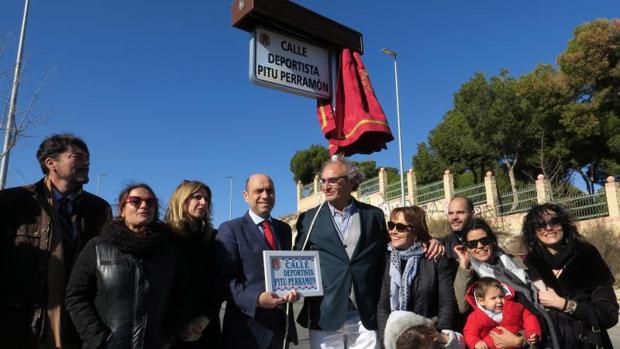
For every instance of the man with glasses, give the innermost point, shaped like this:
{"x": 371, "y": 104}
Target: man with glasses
{"x": 351, "y": 238}
{"x": 43, "y": 227}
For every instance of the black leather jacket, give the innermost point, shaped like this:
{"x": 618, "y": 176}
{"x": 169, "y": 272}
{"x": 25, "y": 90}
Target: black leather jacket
{"x": 120, "y": 298}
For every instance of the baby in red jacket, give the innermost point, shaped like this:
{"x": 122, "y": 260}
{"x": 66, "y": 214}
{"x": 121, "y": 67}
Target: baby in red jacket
{"x": 493, "y": 306}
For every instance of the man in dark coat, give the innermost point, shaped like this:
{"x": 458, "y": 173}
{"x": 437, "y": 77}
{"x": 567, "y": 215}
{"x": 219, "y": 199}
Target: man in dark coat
{"x": 43, "y": 227}
{"x": 351, "y": 238}
{"x": 254, "y": 318}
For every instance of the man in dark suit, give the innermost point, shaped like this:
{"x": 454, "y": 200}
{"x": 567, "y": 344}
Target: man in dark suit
{"x": 254, "y": 318}
{"x": 351, "y": 238}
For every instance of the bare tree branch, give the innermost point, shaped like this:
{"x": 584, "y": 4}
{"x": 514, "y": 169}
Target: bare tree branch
{"x": 27, "y": 119}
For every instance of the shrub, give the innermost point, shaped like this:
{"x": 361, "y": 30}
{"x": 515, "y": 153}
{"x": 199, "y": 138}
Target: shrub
{"x": 603, "y": 237}
{"x": 438, "y": 228}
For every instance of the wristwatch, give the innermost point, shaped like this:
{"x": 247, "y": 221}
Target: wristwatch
{"x": 570, "y": 306}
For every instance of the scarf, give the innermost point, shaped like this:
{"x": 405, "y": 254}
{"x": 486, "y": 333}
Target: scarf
{"x": 137, "y": 245}
{"x": 401, "y": 282}
{"x": 505, "y": 270}
{"x": 198, "y": 230}
{"x": 558, "y": 260}
{"x": 504, "y": 263}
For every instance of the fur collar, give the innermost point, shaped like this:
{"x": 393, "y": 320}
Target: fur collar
{"x": 399, "y": 322}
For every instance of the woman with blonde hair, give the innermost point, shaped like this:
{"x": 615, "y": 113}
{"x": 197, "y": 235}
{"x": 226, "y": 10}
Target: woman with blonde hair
{"x": 189, "y": 216}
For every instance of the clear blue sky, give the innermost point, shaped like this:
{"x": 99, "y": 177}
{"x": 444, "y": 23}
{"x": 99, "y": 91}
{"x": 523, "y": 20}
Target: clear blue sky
{"x": 160, "y": 89}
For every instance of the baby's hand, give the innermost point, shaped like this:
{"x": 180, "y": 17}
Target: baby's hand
{"x": 481, "y": 345}
{"x": 533, "y": 338}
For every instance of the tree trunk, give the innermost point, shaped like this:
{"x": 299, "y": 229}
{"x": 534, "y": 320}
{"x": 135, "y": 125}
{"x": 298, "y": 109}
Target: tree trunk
{"x": 475, "y": 174}
{"x": 513, "y": 187}
{"x": 513, "y": 182}
{"x": 586, "y": 178}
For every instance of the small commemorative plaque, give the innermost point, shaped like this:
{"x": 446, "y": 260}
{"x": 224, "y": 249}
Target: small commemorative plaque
{"x": 293, "y": 270}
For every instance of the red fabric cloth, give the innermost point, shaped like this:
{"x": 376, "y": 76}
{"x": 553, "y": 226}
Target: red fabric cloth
{"x": 271, "y": 240}
{"x": 359, "y": 125}
{"x": 515, "y": 317}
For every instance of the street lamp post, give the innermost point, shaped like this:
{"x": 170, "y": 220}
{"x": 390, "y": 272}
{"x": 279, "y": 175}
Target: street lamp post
{"x": 400, "y": 142}
{"x": 9, "y": 131}
{"x": 230, "y": 179}
{"x": 99, "y": 180}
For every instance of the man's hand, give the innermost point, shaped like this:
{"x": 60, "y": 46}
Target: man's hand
{"x": 461, "y": 252}
{"x": 291, "y": 297}
{"x": 550, "y": 299}
{"x": 434, "y": 249}
{"x": 269, "y": 300}
{"x": 503, "y": 338}
{"x": 192, "y": 331}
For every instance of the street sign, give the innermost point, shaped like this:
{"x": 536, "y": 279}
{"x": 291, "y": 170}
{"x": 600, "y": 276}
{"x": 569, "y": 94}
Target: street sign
{"x": 289, "y": 64}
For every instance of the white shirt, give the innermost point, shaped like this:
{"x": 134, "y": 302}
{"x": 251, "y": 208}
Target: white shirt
{"x": 258, "y": 220}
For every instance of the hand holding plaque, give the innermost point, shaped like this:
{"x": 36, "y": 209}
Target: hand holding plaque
{"x": 292, "y": 274}
{"x": 270, "y": 300}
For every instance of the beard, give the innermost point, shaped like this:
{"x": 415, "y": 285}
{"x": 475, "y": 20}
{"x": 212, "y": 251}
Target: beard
{"x": 83, "y": 179}
{"x": 76, "y": 178}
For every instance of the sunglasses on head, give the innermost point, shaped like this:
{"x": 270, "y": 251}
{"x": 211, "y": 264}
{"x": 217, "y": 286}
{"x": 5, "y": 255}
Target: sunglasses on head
{"x": 401, "y": 228}
{"x": 553, "y": 222}
{"x": 471, "y": 244}
{"x": 136, "y": 201}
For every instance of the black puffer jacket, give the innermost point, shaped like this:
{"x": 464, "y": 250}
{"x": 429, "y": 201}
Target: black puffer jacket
{"x": 121, "y": 293}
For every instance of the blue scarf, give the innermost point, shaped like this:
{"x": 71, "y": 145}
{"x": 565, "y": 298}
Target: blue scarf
{"x": 401, "y": 282}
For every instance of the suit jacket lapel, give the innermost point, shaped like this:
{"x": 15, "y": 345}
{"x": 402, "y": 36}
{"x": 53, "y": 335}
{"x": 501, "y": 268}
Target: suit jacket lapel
{"x": 252, "y": 230}
{"x": 363, "y": 232}
{"x": 279, "y": 232}
{"x": 328, "y": 231}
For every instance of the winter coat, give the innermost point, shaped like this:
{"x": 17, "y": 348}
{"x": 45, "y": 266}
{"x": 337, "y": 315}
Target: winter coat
{"x": 431, "y": 294}
{"x": 466, "y": 277}
{"x": 29, "y": 243}
{"x": 515, "y": 317}
{"x": 361, "y": 273}
{"x": 586, "y": 279}
{"x": 121, "y": 293}
{"x": 205, "y": 288}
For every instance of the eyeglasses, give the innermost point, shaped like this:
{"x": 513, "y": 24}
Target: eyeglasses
{"x": 332, "y": 180}
{"x": 472, "y": 244}
{"x": 401, "y": 228}
{"x": 136, "y": 201}
{"x": 552, "y": 222}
